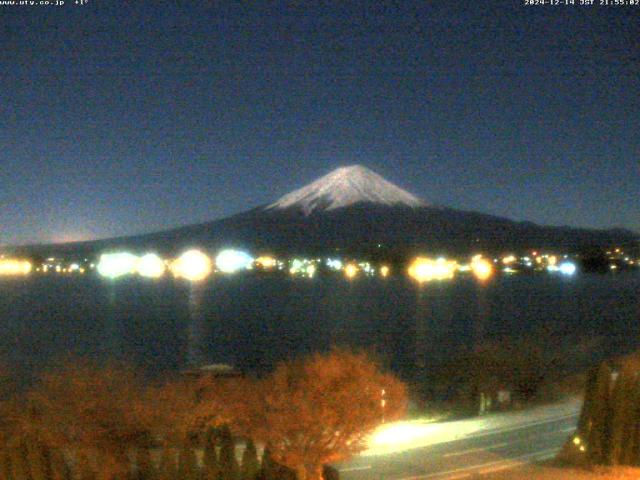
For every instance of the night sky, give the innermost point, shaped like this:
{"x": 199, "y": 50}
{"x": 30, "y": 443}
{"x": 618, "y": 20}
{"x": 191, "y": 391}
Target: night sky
{"x": 128, "y": 117}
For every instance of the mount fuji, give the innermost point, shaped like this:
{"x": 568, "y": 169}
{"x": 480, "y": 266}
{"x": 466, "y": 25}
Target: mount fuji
{"x": 354, "y": 210}
{"x": 345, "y": 187}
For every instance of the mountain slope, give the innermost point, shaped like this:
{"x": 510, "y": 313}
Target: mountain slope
{"x": 356, "y": 210}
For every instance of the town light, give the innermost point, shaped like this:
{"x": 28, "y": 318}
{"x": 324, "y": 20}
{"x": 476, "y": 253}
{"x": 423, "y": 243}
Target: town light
{"x": 230, "y": 261}
{"x": 15, "y": 267}
{"x": 192, "y": 265}
{"x": 350, "y": 271}
{"x": 384, "y": 271}
{"x": 567, "y": 268}
{"x": 296, "y": 266}
{"x": 311, "y": 270}
{"x": 114, "y": 265}
{"x": 334, "y": 263}
{"x": 424, "y": 269}
{"x": 266, "y": 262}
{"x": 481, "y": 268}
{"x": 508, "y": 259}
{"x": 151, "y": 266}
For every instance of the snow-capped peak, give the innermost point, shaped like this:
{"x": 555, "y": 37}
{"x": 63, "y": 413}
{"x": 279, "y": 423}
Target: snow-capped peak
{"x": 346, "y": 186}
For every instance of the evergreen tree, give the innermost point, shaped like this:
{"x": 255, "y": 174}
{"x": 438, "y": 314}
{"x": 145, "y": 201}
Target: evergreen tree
{"x": 268, "y": 469}
{"x": 146, "y": 469}
{"x": 210, "y": 460}
{"x": 227, "y": 459}
{"x": 599, "y": 416}
{"x": 632, "y": 452}
{"x": 211, "y": 436}
{"x": 19, "y": 463}
{"x": 610, "y": 418}
{"x": 85, "y": 469}
{"x": 187, "y": 463}
{"x": 623, "y": 414}
{"x": 167, "y": 469}
{"x": 5, "y": 465}
{"x": 38, "y": 461}
{"x": 59, "y": 468}
{"x": 250, "y": 466}
{"x": 584, "y": 422}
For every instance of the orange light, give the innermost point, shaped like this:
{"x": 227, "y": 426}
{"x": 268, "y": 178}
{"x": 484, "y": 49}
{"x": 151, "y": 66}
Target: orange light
{"x": 266, "y": 262}
{"x": 424, "y": 269}
{"x": 192, "y": 265}
{"x": 509, "y": 259}
{"x": 350, "y": 271}
{"x": 15, "y": 267}
{"x": 481, "y": 268}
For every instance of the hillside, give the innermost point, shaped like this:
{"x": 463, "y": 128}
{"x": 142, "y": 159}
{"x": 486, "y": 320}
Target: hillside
{"x": 355, "y": 210}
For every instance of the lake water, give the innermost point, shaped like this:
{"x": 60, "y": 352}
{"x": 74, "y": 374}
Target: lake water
{"x": 253, "y": 322}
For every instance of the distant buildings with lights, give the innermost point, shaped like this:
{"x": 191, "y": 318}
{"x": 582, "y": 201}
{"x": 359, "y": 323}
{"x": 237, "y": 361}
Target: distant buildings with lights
{"x": 196, "y": 265}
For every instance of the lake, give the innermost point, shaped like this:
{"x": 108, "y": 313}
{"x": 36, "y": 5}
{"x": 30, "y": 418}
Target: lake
{"x": 252, "y": 322}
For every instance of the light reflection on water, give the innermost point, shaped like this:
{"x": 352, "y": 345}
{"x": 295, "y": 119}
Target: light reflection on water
{"x": 196, "y": 328}
{"x": 253, "y": 322}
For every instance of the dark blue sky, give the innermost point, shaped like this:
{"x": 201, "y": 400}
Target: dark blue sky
{"x": 126, "y": 117}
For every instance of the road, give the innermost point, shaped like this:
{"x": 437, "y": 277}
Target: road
{"x": 457, "y": 450}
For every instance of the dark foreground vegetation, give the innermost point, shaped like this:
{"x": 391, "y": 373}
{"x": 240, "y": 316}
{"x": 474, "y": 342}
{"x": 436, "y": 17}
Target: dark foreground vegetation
{"x": 87, "y": 421}
{"x": 551, "y": 472}
{"x": 608, "y": 431}
{"x": 606, "y": 443}
{"x": 507, "y": 373}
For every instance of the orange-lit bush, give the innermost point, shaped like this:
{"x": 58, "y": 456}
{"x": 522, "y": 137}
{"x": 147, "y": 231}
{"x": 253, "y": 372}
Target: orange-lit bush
{"x": 319, "y": 409}
{"x": 87, "y": 409}
{"x": 310, "y": 412}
